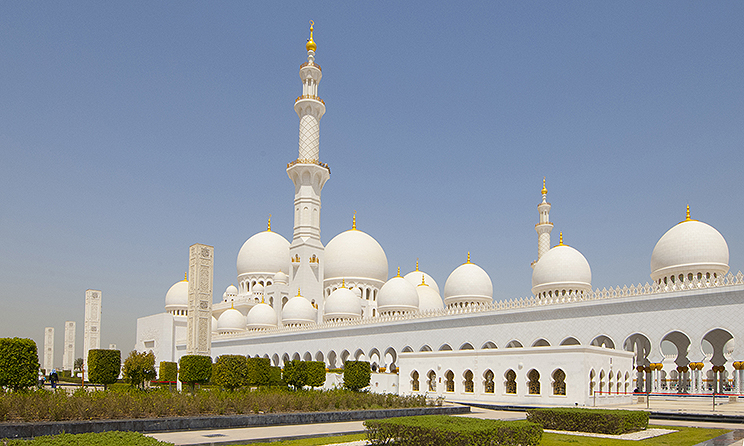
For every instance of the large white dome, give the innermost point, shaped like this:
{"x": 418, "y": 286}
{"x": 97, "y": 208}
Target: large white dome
{"x": 230, "y": 321}
{"x": 415, "y": 278}
{"x": 177, "y": 297}
{"x": 342, "y": 304}
{"x": 690, "y": 248}
{"x": 468, "y": 284}
{"x": 355, "y": 255}
{"x": 562, "y": 268}
{"x": 298, "y": 311}
{"x": 429, "y": 299}
{"x": 397, "y": 296}
{"x": 266, "y": 252}
{"x": 261, "y": 316}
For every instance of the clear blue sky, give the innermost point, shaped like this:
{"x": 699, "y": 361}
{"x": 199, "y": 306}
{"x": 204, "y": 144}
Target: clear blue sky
{"x": 131, "y": 130}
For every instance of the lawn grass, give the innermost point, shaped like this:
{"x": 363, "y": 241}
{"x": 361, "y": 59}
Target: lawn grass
{"x": 686, "y": 436}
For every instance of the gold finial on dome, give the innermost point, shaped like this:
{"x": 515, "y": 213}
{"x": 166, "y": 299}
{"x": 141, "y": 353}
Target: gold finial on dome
{"x": 269, "y": 229}
{"x": 186, "y": 276}
{"x": 560, "y": 239}
{"x": 416, "y": 264}
{"x": 353, "y": 221}
{"x": 688, "y": 213}
{"x": 544, "y": 189}
{"x": 468, "y": 257}
{"x": 343, "y": 283}
{"x": 398, "y": 272}
{"x": 310, "y": 45}
{"x": 423, "y": 282}
{"x": 298, "y": 293}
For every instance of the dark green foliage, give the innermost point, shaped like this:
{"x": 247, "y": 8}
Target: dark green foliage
{"x": 275, "y": 377}
{"x": 114, "y": 438}
{"x": 103, "y": 366}
{"x": 138, "y": 368}
{"x": 600, "y": 421}
{"x": 357, "y": 375}
{"x": 168, "y": 371}
{"x": 78, "y": 365}
{"x": 316, "y": 373}
{"x": 446, "y": 430}
{"x": 295, "y": 373}
{"x": 195, "y": 369}
{"x": 259, "y": 371}
{"x": 19, "y": 363}
{"x": 230, "y": 371}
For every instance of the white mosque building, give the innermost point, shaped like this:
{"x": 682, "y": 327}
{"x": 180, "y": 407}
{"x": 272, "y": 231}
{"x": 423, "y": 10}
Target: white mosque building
{"x": 565, "y": 345}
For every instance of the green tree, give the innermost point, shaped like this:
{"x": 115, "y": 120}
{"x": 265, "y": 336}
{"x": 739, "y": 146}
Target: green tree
{"x": 230, "y": 371}
{"x": 259, "y": 371}
{"x": 275, "y": 377}
{"x": 78, "y": 365}
{"x": 104, "y": 366}
{"x": 139, "y": 368}
{"x": 357, "y": 375}
{"x": 194, "y": 369}
{"x": 295, "y": 373}
{"x": 316, "y": 373}
{"x": 168, "y": 371}
{"x": 19, "y": 363}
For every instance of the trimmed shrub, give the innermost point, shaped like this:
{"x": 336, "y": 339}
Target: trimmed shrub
{"x": 195, "y": 369}
{"x": 258, "y": 371}
{"x": 357, "y": 375}
{"x": 113, "y": 438}
{"x": 295, "y": 373}
{"x": 138, "y": 368}
{"x": 316, "y": 373}
{"x": 168, "y": 371}
{"x": 457, "y": 431}
{"x": 230, "y": 371}
{"x": 275, "y": 377}
{"x": 600, "y": 421}
{"x": 103, "y": 366}
{"x": 19, "y": 363}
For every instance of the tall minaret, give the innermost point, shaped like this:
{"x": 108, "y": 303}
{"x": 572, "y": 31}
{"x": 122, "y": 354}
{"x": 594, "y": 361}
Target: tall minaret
{"x": 308, "y": 175}
{"x": 544, "y": 227}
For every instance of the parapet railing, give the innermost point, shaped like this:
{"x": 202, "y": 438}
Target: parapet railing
{"x": 526, "y": 302}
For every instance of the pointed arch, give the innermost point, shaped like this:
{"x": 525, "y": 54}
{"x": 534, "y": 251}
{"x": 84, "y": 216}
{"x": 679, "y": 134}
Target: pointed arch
{"x": 425, "y": 348}
{"x": 466, "y": 346}
{"x": 541, "y": 343}
{"x": 514, "y": 344}
{"x": 407, "y": 349}
{"x": 570, "y": 341}
{"x": 445, "y": 347}
{"x": 489, "y": 344}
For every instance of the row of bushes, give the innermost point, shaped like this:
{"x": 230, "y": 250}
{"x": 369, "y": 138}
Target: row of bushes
{"x": 114, "y": 438}
{"x": 125, "y": 402}
{"x": 600, "y": 421}
{"x": 459, "y": 431}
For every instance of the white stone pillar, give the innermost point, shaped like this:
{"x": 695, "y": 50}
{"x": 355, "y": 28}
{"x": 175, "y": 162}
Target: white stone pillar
{"x": 199, "y": 312}
{"x": 92, "y": 330}
{"x": 48, "y": 349}
{"x": 68, "y": 352}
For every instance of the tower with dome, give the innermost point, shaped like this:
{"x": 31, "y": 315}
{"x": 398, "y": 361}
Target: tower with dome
{"x": 565, "y": 344}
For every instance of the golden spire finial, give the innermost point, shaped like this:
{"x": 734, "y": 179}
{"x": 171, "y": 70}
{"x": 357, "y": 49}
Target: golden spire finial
{"x": 186, "y": 276}
{"x": 310, "y": 45}
{"x": 398, "y": 272}
{"x": 688, "y": 213}
{"x": 269, "y": 229}
{"x": 423, "y": 282}
{"x": 544, "y": 189}
{"x": 560, "y": 239}
{"x": 353, "y": 221}
{"x": 232, "y": 305}
{"x": 468, "y": 257}
{"x": 298, "y": 292}
{"x": 262, "y": 299}
{"x": 343, "y": 283}
{"x": 416, "y": 264}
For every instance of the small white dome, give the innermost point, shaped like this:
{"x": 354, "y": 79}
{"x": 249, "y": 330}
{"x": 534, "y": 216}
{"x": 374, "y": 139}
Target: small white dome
{"x": 429, "y": 299}
{"x": 298, "y": 311}
{"x": 281, "y": 278}
{"x": 177, "y": 297}
{"x": 468, "y": 284}
{"x": 397, "y": 296}
{"x": 562, "y": 268}
{"x": 266, "y": 253}
{"x": 261, "y": 317}
{"x": 355, "y": 255}
{"x": 232, "y": 290}
{"x": 343, "y": 304}
{"x": 415, "y": 278}
{"x": 691, "y": 247}
{"x": 257, "y": 289}
{"x": 230, "y": 321}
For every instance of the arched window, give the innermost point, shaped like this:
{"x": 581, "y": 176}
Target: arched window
{"x": 619, "y": 382}
{"x": 592, "y": 377}
{"x": 415, "y": 381}
{"x": 601, "y": 381}
{"x": 511, "y": 381}
{"x": 449, "y": 381}
{"x": 432, "y": 381}
{"x": 559, "y": 382}
{"x": 488, "y": 385}
{"x": 533, "y": 386}
{"x": 469, "y": 387}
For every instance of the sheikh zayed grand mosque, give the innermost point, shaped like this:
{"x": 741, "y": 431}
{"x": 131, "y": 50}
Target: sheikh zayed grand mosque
{"x": 566, "y": 345}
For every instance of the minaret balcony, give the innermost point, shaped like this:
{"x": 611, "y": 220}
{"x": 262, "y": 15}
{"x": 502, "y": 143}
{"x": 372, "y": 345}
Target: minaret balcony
{"x": 311, "y": 64}
{"x": 309, "y": 96}
{"x": 309, "y": 161}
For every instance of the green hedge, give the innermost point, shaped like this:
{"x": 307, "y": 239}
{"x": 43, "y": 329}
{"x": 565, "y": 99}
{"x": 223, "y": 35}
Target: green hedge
{"x": 114, "y": 438}
{"x": 428, "y": 430}
{"x": 600, "y": 421}
{"x": 168, "y": 371}
{"x": 258, "y": 371}
{"x": 19, "y": 363}
{"x": 103, "y": 366}
{"x": 195, "y": 369}
{"x": 230, "y": 371}
{"x": 295, "y": 373}
{"x": 275, "y": 377}
{"x": 316, "y": 373}
{"x": 357, "y": 375}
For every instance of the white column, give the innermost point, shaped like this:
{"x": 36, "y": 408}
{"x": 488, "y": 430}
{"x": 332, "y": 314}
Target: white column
{"x": 92, "y": 330}
{"x": 68, "y": 352}
{"x": 48, "y": 349}
{"x": 199, "y": 310}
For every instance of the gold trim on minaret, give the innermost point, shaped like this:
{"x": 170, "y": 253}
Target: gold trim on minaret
{"x": 544, "y": 189}
{"x": 310, "y": 45}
